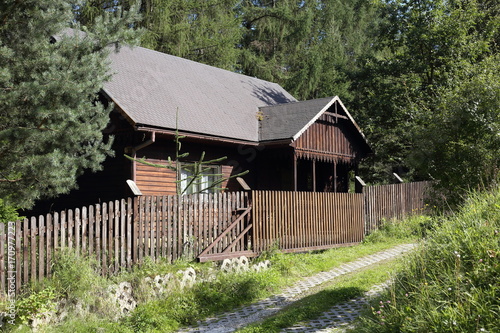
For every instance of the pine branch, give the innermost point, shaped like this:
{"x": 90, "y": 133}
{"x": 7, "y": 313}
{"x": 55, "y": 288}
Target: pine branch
{"x": 7, "y": 180}
{"x": 143, "y": 161}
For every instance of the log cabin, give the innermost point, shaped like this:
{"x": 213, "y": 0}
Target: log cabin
{"x": 285, "y": 144}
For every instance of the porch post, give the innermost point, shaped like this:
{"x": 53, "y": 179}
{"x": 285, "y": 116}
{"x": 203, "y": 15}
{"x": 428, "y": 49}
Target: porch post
{"x": 295, "y": 171}
{"x": 314, "y": 174}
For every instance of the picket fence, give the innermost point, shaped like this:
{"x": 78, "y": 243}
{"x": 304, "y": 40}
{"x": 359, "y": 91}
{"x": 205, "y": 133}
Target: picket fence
{"x": 122, "y": 233}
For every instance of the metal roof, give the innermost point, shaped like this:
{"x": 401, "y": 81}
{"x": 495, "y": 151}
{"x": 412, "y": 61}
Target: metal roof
{"x": 150, "y": 87}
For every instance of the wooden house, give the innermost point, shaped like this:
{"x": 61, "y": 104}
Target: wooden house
{"x": 284, "y": 143}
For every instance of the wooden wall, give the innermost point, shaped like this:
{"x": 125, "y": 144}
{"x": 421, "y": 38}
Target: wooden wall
{"x": 155, "y": 181}
{"x": 327, "y": 140}
{"x": 162, "y": 181}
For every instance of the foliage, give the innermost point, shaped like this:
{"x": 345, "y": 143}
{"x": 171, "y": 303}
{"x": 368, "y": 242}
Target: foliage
{"x": 8, "y": 213}
{"x": 429, "y": 50}
{"x": 51, "y": 120}
{"x": 412, "y": 227}
{"x": 308, "y": 47}
{"x": 185, "y": 307}
{"x": 76, "y": 277}
{"x": 37, "y": 305}
{"x": 204, "y": 31}
{"x": 89, "y": 323}
{"x": 466, "y": 153}
{"x": 451, "y": 283}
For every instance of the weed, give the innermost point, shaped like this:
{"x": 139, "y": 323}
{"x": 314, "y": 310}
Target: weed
{"x": 412, "y": 227}
{"x": 75, "y": 277}
{"x": 451, "y": 283}
{"x": 37, "y": 305}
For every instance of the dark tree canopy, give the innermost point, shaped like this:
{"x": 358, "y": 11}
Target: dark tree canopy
{"x": 51, "y": 121}
{"x": 418, "y": 75}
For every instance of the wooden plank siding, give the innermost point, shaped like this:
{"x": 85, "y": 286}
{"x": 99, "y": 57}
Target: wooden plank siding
{"x": 327, "y": 141}
{"x": 301, "y": 221}
{"x": 162, "y": 181}
{"x": 155, "y": 181}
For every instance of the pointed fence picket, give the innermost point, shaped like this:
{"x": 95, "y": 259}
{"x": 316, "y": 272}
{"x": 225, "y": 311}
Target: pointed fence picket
{"x": 121, "y": 233}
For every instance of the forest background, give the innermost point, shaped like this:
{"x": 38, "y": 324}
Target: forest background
{"x": 421, "y": 77}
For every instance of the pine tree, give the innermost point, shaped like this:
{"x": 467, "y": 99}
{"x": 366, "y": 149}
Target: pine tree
{"x": 311, "y": 48}
{"x": 204, "y": 31}
{"x": 51, "y": 119}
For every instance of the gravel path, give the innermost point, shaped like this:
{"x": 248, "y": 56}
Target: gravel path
{"x": 339, "y": 316}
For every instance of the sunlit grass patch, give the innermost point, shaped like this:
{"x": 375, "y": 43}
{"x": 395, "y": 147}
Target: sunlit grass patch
{"x": 340, "y": 290}
{"x": 451, "y": 283}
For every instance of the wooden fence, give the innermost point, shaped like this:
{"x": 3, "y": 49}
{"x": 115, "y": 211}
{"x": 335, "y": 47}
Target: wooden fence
{"x": 300, "y": 221}
{"x": 209, "y": 226}
{"x": 117, "y": 233}
{"x": 392, "y": 201}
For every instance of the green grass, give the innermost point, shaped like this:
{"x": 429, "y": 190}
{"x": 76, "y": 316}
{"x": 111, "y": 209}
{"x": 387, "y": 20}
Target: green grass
{"x": 452, "y": 282}
{"x": 310, "y": 307}
{"x": 77, "y": 279}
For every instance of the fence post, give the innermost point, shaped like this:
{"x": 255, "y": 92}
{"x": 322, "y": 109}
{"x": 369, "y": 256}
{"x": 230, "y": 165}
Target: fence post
{"x": 359, "y": 185}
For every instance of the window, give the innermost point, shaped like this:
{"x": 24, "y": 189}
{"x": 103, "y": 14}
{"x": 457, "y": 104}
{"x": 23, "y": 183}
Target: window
{"x": 208, "y": 180}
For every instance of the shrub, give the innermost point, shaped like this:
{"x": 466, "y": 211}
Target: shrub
{"x": 8, "y": 213}
{"x": 76, "y": 277}
{"x": 36, "y": 305}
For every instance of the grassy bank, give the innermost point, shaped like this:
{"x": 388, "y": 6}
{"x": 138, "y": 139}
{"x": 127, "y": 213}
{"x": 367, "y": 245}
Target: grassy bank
{"x": 452, "y": 282}
{"x": 76, "y": 281}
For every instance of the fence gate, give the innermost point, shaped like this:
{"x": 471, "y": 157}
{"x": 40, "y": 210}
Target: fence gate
{"x": 234, "y": 241}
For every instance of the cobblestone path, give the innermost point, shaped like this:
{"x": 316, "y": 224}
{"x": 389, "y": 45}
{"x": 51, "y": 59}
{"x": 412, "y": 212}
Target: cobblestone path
{"x": 340, "y": 315}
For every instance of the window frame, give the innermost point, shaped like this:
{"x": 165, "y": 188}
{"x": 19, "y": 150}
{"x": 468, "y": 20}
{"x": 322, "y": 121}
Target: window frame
{"x": 215, "y": 173}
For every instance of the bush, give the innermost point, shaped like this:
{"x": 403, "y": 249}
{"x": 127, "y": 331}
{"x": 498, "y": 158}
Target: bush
{"x": 8, "y": 213}
{"x": 76, "y": 277}
{"x": 452, "y": 282}
{"x": 36, "y": 305}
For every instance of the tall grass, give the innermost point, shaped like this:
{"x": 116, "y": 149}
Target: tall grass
{"x": 80, "y": 291}
{"x": 452, "y": 282}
